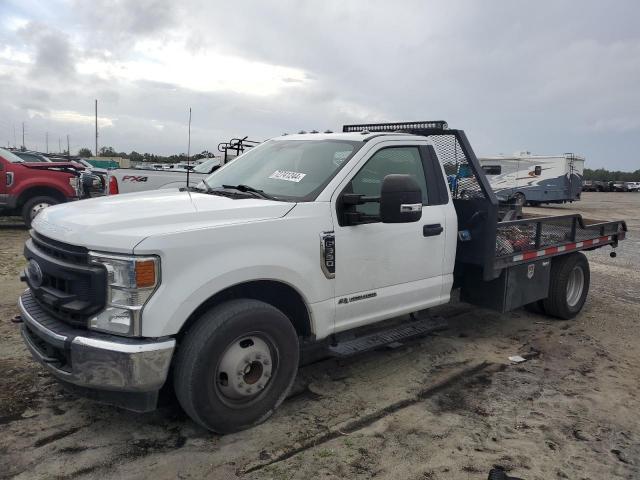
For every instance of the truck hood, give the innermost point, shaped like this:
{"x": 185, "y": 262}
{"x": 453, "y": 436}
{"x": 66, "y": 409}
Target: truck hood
{"x": 118, "y": 223}
{"x": 68, "y": 166}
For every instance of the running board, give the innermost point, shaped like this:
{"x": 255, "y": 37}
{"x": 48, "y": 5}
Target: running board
{"x": 389, "y": 336}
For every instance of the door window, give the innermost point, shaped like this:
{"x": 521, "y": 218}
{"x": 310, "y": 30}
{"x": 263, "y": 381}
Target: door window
{"x": 392, "y": 160}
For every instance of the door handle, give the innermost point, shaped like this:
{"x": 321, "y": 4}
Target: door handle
{"x": 432, "y": 230}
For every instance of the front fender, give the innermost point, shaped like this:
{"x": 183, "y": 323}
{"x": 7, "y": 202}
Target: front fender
{"x": 196, "y": 265}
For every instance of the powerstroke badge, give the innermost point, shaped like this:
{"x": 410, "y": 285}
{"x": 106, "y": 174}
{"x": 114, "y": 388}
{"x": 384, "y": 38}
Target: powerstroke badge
{"x": 356, "y": 298}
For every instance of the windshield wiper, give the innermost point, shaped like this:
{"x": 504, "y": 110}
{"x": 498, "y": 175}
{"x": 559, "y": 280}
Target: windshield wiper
{"x": 249, "y": 189}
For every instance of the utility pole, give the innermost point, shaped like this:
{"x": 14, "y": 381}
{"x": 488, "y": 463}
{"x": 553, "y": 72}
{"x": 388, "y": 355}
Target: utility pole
{"x": 23, "y": 147}
{"x": 68, "y": 148}
{"x": 59, "y": 146}
{"x": 189, "y": 150}
{"x": 96, "y": 152}
{"x": 14, "y": 135}
{"x": 46, "y": 140}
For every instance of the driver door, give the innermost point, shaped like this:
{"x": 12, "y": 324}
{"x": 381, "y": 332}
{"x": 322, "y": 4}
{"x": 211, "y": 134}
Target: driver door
{"x": 383, "y": 270}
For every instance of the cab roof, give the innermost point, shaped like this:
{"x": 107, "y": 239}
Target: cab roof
{"x": 353, "y": 137}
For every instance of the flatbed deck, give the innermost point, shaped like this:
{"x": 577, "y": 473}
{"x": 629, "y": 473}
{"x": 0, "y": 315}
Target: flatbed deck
{"x": 536, "y": 237}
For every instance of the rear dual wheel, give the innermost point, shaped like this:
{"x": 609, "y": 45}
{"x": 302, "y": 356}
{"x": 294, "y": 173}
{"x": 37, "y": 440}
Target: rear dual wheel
{"x": 568, "y": 287}
{"x": 236, "y": 365}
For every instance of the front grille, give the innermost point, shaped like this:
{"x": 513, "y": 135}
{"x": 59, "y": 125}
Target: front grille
{"x": 72, "y": 289}
{"x": 61, "y": 251}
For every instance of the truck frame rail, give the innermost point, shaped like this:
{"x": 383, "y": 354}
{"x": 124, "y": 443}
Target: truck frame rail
{"x": 533, "y": 238}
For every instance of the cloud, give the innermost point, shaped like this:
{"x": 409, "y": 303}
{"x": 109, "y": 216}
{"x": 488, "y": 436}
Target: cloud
{"x": 514, "y": 75}
{"x": 51, "y": 50}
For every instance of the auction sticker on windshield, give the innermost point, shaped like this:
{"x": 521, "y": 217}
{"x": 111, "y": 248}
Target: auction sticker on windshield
{"x": 288, "y": 176}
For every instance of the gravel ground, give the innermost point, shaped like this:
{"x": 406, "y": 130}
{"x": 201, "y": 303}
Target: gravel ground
{"x": 448, "y": 406}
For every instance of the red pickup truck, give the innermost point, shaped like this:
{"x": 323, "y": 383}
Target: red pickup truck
{"x": 27, "y": 188}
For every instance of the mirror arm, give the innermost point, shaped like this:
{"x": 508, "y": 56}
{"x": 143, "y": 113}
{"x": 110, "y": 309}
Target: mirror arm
{"x": 350, "y": 199}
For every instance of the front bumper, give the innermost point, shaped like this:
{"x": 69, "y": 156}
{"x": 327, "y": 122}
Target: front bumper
{"x": 124, "y": 371}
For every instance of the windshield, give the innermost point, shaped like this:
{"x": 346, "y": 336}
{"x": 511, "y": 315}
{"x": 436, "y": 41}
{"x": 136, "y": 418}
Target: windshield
{"x": 295, "y": 170}
{"x": 205, "y": 167}
{"x": 10, "y": 157}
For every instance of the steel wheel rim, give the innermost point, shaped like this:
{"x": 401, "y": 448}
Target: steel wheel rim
{"x": 37, "y": 208}
{"x": 245, "y": 370}
{"x": 575, "y": 286}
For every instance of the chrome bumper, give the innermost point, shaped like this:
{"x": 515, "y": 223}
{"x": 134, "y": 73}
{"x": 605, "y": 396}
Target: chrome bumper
{"x": 94, "y": 360}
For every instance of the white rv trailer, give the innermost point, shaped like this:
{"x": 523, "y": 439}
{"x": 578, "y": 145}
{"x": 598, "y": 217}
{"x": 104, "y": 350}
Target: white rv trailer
{"x": 535, "y": 179}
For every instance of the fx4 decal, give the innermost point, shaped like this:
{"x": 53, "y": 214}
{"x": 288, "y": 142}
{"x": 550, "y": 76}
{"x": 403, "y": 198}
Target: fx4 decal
{"x": 134, "y": 178}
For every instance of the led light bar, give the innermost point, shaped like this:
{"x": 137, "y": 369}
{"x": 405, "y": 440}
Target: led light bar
{"x": 395, "y": 127}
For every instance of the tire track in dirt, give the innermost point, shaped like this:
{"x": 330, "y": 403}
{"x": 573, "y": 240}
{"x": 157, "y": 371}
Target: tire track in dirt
{"x": 351, "y": 426}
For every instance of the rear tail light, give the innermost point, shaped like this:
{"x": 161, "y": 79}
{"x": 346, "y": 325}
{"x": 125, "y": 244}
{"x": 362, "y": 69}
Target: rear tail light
{"x": 113, "y": 185}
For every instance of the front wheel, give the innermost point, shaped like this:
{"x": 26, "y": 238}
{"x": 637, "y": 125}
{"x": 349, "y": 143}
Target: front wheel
{"x": 236, "y": 365}
{"x": 569, "y": 286}
{"x": 34, "y": 206}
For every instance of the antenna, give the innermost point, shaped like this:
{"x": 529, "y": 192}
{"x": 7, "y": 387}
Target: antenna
{"x": 189, "y": 150}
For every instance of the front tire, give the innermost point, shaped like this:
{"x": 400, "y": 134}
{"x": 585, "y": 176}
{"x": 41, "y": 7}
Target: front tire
{"x": 236, "y": 365}
{"x": 34, "y": 206}
{"x": 569, "y": 286}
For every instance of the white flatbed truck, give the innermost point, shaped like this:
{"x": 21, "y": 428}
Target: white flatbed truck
{"x": 214, "y": 288}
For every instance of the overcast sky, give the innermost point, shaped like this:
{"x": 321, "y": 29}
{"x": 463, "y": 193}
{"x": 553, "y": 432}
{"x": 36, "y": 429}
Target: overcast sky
{"x": 547, "y": 76}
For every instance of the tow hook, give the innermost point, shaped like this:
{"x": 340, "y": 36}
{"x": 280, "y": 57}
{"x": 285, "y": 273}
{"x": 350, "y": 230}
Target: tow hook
{"x": 17, "y": 319}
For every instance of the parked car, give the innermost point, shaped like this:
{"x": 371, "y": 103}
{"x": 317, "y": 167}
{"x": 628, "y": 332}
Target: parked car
{"x": 300, "y": 241}
{"x": 129, "y": 180}
{"x": 619, "y": 187}
{"x": 595, "y": 186}
{"x": 632, "y": 186}
{"x": 31, "y": 157}
{"x": 26, "y": 188}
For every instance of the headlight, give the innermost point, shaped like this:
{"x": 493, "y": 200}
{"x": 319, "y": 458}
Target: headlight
{"x": 131, "y": 280}
{"x": 75, "y": 184}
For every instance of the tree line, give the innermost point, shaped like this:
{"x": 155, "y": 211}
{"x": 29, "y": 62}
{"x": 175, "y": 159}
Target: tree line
{"x": 604, "y": 175}
{"x": 141, "y": 157}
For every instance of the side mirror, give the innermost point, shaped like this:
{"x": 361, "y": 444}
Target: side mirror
{"x": 400, "y": 199}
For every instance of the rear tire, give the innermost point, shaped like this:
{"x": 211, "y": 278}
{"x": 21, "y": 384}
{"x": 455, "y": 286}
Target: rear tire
{"x": 34, "y": 206}
{"x": 569, "y": 286}
{"x": 236, "y": 365}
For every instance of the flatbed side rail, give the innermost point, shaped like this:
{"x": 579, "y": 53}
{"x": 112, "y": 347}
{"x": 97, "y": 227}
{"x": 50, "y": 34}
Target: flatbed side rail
{"x": 520, "y": 241}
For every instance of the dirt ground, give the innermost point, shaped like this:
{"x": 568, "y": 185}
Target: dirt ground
{"x": 448, "y": 406}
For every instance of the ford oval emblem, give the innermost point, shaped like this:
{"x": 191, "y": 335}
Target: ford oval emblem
{"x": 34, "y": 274}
